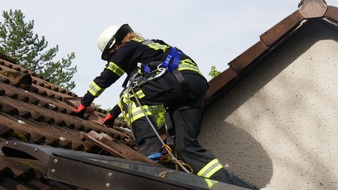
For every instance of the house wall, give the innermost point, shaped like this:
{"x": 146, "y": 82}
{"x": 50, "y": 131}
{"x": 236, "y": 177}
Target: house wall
{"x": 278, "y": 127}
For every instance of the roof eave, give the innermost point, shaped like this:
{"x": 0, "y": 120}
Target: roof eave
{"x": 269, "y": 40}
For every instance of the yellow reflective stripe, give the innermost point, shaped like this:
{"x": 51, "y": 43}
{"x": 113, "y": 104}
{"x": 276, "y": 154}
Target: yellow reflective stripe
{"x": 139, "y": 112}
{"x": 188, "y": 61}
{"x": 95, "y": 89}
{"x": 133, "y": 111}
{"x": 140, "y": 94}
{"x": 115, "y": 69}
{"x": 138, "y": 39}
{"x": 157, "y": 46}
{"x": 123, "y": 111}
{"x": 126, "y": 106}
{"x": 210, "y": 169}
{"x": 151, "y": 44}
{"x": 187, "y": 64}
{"x": 210, "y": 183}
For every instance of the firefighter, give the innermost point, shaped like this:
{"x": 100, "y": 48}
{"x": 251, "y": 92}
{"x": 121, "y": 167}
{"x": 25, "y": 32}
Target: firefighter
{"x": 158, "y": 74}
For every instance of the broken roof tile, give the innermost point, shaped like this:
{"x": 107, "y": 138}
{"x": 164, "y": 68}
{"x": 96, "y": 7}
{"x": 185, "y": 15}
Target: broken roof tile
{"x": 42, "y": 114}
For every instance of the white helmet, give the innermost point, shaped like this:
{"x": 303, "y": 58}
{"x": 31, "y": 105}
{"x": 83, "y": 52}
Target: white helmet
{"x": 110, "y": 36}
{"x": 106, "y": 35}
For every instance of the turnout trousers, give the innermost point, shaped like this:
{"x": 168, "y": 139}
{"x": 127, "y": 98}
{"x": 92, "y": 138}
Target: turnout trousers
{"x": 185, "y": 109}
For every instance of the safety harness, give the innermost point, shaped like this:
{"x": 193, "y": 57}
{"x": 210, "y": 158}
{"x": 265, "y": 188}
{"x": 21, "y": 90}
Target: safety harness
{"x": 171, "y": 61}
{"x": 171, "y": 64}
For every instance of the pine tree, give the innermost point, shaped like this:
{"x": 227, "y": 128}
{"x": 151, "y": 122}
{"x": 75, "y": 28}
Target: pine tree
{"x": 18, "y": 41}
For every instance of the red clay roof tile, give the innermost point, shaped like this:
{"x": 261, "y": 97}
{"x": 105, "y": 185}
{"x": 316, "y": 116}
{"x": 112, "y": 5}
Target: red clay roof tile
{"x": 269, "y": 40}
{"x": 42, "y": 114}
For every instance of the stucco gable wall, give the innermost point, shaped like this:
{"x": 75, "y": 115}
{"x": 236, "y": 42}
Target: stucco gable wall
{"x": 278, "y": 127}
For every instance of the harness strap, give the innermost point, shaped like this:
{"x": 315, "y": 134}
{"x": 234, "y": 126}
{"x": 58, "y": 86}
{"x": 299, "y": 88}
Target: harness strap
{"x": 145, "y": 68}
{"x": 170, "y": 63}
{"x": 183, "y": 82}
{"x": 172, "y": 60}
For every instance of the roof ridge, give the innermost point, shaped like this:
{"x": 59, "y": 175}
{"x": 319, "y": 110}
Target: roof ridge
{"x": 312, "y": 8}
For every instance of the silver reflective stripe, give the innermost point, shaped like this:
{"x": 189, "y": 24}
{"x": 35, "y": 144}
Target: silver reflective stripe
{"x": 140, "y": 94}
{"x": 139, "y": 112}
{"x": 95, "y": 89}
{"x": 155, "y": 45}
{"x": 115, "y": 69}
{"x": 210, "y": 169}
{"x": 147, "y": 42}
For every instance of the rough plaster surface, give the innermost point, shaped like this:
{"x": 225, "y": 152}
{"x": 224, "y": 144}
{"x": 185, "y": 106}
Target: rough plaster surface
{"x": 278, "y": 127}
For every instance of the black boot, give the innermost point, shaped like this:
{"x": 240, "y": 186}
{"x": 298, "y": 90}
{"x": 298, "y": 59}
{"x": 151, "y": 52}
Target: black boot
{"x": 150, "y": 146}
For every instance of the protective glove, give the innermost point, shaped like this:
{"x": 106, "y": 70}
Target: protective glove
{"x": 108, "y": 121}
{"x": 81, "y": 110}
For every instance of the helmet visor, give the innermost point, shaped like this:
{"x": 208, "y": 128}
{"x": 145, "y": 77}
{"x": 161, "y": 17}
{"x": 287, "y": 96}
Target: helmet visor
{"x": 116, "y": 39}
{"x": 108, "y": 48}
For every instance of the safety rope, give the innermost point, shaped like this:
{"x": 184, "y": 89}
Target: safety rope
{"x": 161, "y": 69}
{"x": 166, "y": 158}
{"x": 153, "y": 127}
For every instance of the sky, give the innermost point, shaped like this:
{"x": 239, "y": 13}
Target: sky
{"x": 211, "y": 32}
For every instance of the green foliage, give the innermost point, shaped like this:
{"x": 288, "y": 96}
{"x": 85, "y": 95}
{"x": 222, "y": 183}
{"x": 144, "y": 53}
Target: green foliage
{"x": 214, "y": 73}
{"x": 158, "y": 113}
{"x": 18, "y": 40}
